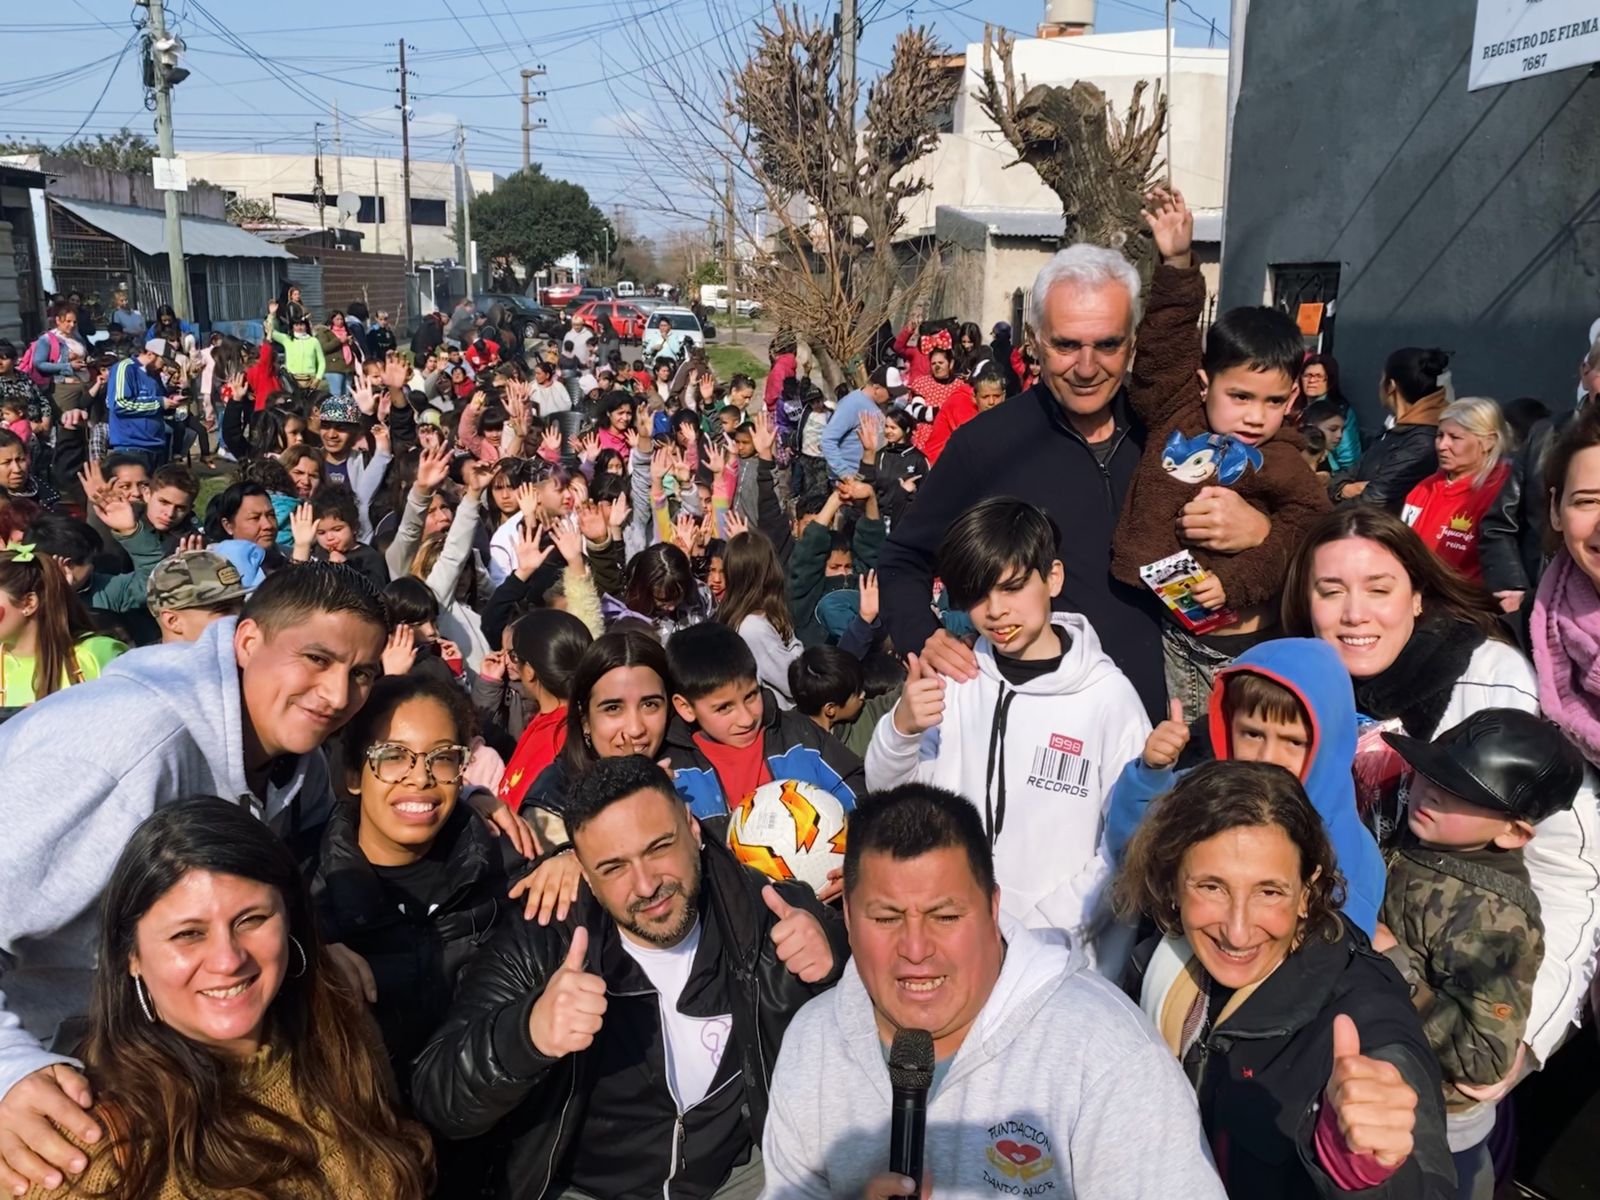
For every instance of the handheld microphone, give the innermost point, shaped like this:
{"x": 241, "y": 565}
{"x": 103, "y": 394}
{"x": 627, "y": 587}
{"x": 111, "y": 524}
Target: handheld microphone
{"x": 910, "y": 1075}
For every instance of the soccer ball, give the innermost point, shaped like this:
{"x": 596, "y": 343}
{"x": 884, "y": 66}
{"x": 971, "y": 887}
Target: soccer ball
{"x": 789, "y": 829}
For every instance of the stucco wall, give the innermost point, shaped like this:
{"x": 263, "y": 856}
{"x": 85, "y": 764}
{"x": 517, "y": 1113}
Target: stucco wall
{"x": 1464, "y": 220}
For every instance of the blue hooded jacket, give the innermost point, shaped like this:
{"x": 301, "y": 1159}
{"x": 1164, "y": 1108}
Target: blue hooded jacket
{"x": 1312, "y": 670}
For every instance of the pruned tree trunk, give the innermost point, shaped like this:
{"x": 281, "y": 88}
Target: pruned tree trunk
{"x": 1100, "y": 165}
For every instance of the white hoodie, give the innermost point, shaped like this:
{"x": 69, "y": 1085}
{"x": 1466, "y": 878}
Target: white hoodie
{"x": 1064, "y": 741}
{"x": 1060, "y": 1089}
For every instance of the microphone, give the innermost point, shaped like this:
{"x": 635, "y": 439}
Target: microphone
{"x": 910, "y": 1075}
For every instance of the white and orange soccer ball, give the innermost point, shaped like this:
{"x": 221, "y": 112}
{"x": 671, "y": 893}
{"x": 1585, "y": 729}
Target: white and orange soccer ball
{"x": 789, "y": 829}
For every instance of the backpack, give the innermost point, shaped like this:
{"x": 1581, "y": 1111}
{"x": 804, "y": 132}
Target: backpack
{"x": 40, "y": 379}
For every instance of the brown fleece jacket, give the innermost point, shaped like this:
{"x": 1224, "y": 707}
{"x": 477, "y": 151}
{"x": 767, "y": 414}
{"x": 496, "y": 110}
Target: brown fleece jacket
{"x": 1164, "y": 392}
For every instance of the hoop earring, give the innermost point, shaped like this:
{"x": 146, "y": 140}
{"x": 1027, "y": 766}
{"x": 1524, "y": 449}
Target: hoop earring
{"x": 144, "y": 1001}
{"x": 304, "y": 964}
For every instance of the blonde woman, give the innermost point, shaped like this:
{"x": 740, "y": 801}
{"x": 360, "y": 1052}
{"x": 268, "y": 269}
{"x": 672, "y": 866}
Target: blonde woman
{"x": 1447, "y": 508}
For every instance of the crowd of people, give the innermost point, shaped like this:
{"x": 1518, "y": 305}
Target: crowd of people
{"x": 1216, "y": 785}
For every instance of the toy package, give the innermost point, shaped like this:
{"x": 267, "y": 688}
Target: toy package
{"x": 1173, "y": 579}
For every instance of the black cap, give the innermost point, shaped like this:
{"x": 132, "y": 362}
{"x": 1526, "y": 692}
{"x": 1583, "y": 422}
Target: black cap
{"x": 1501, "y": 759}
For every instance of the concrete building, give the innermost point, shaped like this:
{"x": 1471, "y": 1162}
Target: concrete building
{"x": 997, "y": 224}
{"x": 288, "y": 183}
{"x": 1366, "y": 178}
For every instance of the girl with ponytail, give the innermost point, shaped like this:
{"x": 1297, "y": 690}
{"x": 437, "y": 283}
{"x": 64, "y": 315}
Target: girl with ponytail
{"x": 47, "y": 640}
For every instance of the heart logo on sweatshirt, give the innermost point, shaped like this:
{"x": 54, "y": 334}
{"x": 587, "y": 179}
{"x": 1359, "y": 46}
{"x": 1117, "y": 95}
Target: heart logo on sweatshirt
{"x": 1018, "y": 1152}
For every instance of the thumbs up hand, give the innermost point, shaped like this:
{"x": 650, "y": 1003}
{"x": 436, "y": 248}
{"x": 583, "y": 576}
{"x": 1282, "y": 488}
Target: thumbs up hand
{"x": 921, "y": 703}
{"x": 798, "y": 938}
{"x": 569, "y": 1012}
{"x": 1375, "y": 1107}
{"x": 1165, "y": 744}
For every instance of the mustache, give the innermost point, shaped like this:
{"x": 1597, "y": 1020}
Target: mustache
{"x": 666, "y": 890}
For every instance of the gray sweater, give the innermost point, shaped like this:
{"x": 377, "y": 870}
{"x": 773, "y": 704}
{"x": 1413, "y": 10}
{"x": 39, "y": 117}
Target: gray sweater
{"x": 82, "y": 769}
{"x": 1060, "y": 1089}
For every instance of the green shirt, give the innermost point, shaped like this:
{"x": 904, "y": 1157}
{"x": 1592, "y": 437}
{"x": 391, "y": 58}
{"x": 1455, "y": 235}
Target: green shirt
{"x": 90, "y": 658}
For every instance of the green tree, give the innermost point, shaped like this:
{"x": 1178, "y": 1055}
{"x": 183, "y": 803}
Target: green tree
{"x": 531, "y": 220}
{"x": 123, "y": 151}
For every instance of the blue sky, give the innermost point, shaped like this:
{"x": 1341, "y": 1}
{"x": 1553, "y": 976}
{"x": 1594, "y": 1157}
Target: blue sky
{"x": 263, "y": 75}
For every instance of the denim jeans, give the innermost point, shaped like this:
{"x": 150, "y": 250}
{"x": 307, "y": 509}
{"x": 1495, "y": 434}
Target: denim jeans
{"x": 1190, "y": 667}
{"x": 336, "y": 383}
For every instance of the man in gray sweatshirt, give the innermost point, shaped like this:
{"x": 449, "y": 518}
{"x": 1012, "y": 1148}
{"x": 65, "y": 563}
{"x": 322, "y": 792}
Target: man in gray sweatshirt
{"x": 241, "y": 714}
{"x": 1047, "y": 1081}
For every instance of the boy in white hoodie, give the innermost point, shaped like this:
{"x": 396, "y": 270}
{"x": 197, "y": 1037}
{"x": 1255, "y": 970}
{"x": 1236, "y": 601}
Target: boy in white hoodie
{"x": 1037, "y": 739}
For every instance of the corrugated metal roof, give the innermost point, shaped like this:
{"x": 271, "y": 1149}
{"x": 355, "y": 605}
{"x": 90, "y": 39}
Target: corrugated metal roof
{"x": 145, "y": 230}
{"x": 971, "y": 226}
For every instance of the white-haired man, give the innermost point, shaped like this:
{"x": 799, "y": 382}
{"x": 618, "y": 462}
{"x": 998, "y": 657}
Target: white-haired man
{"x": 1070, "y": 445}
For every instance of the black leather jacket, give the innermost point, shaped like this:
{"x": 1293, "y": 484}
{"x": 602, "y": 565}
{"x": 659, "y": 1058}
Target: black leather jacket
{"x": 482, "y": 1070}
{"x": 1511, "y": 534}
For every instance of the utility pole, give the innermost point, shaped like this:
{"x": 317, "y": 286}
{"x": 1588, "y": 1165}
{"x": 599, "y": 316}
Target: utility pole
{"x": 175, "y": 260}
{"x": 338, "y": 159}
{"x": 528, "y": 126}
{"x": 1169, "y": 93}
{"x": 847, "y": 63}
{"x": 377, "y": 212}
{"x": 318, "y": 189}
{"x": 728, "y": 261}
{"x": 405, "y": 151}
{"x": 463, "y": 190}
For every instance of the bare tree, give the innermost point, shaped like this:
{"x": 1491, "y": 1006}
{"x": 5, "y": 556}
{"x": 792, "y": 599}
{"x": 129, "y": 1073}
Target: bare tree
{"x": 1099, "y": 164}
{"x": 830, "y": 270}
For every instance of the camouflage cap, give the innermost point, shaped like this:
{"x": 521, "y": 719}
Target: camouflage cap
{"x": 193, "y": 579}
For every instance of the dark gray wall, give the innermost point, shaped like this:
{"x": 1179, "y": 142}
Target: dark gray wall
{"x": 1464, "y": 220}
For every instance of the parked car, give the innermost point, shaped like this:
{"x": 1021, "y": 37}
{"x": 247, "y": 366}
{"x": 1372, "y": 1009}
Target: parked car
{"x": 559, "y": 295}
{"x": 524, "y": 312}
{"x": 696, "y": 332}
{"x": 625, "y": 319}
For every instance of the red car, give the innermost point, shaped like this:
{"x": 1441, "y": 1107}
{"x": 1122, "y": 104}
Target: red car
{"x": 559, "y": 295}
{"x": 626, "y": 321}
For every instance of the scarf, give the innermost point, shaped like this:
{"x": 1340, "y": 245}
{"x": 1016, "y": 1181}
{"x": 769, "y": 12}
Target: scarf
{"x": 1416, "y": 687}
{"x": 1565, "y": 632}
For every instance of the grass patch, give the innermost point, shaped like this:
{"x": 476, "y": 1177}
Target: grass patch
{"x": 735, "y": 360}
{"x": 209, "y": 487}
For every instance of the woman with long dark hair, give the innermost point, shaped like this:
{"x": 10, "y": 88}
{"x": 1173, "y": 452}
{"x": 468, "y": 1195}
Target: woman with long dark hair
{"x": 658, "y": 586}
{"x": 1319, "y": 383}
{"x": 226, "y": 1056}
{"x": 756, "y": 604}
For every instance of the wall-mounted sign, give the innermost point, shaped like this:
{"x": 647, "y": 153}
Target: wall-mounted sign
{"x": 1518, "y": 39}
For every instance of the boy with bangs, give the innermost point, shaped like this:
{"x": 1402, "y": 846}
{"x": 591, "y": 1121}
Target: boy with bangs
{"x": 1288, "y": 702}
{"x": 729, "y": 736}
{"x": 1214, "y": 418}
{"x": 1037, "y": 738}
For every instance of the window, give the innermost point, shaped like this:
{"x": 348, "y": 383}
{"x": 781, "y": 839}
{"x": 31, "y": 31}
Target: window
{"x": 372, "y": 206}
{"x": 428, "y": 212}
{"x": 1308, "y": 292}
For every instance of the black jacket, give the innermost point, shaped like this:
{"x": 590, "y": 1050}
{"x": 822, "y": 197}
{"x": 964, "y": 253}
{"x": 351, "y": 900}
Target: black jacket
{"x": 893, "y": 466}
{"x": 1511, "y": 534}
{"x": 415, "y": 957}
{"x": 1400, "y": 459}
{"x": 1260, "y": 1077}
{"x": 482, "y": 1069}
{"x": 1026, "y": 448}
{"x": 380, "y": 340}
{"x": 428, "y": 338}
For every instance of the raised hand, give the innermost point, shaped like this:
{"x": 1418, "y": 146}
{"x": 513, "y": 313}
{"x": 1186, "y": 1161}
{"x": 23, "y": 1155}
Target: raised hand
{"x": 568, "y": 544}
{"x": 921, "y": 704}
{"x": 531, "y": 552}
{"x": 572, "y": 1007}
{"x": 1374, "y": 1106}
{"x": 869, "y": 597}
{"x": 550, "y": 444}
{"x": 762, "y": 434}
{"x": 620, "y": 512}
{"x": 381, "y": 443}
{"x": 235, "y": 384}
{"x": 400, "y": 651}
{"x": 1171, "y": 223}
{"x": 116, "y": 513}
{"x": 683, "y": 531}
{"x": 433, "y": 468}
{"x": 303, "y": 525}
{"x": 631, "y": 436}
{"x": 801, "y": 945}
{"x": 589, "y": 447}
{"x": 477, "y": 475}
{"x": 870, "y": 442}
{"x": 195, "y": 541}
{"x": 716, "y": 459}
{"x": 592, "y": 521}
{"x": 1166, "y": 741}
{"x": 365, "y": 400}
{"x": 660, "y": 465}
{"x": 93, "y": 480}
{"x": 736, "y": 523}
{"x": 528, "y": 503}
{"x": 395, "y": 373}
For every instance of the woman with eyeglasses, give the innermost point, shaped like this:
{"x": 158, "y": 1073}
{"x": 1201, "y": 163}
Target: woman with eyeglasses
{"x": 410, "y": 878}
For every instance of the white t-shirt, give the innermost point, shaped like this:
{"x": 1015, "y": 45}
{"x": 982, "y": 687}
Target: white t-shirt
{"x": 694, "y": 1044}
{"x": 579, "y": 344}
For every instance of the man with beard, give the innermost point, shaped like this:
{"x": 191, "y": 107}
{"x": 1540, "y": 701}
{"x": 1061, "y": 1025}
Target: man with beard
{"x": 625, "y": 1053}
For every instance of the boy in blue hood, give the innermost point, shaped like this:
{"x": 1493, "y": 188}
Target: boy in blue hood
{"x": 1288, "y": 702}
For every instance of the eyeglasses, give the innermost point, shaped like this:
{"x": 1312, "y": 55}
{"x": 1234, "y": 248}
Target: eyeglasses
{"x": 393, "y": 763}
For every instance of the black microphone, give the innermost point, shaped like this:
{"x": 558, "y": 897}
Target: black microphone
{"x": 910, "y": 1075}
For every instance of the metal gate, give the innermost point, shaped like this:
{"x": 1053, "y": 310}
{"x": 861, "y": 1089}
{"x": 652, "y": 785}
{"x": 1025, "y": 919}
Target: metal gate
{"x": 307, "y": 276}
{"x": 1294, "y": 284}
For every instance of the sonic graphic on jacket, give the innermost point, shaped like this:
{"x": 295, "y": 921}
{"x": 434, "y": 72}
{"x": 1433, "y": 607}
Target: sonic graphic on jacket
{"x": 1196, "y": 459}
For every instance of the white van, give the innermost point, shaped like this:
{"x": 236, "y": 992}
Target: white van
{"x": 625, "y": 288}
